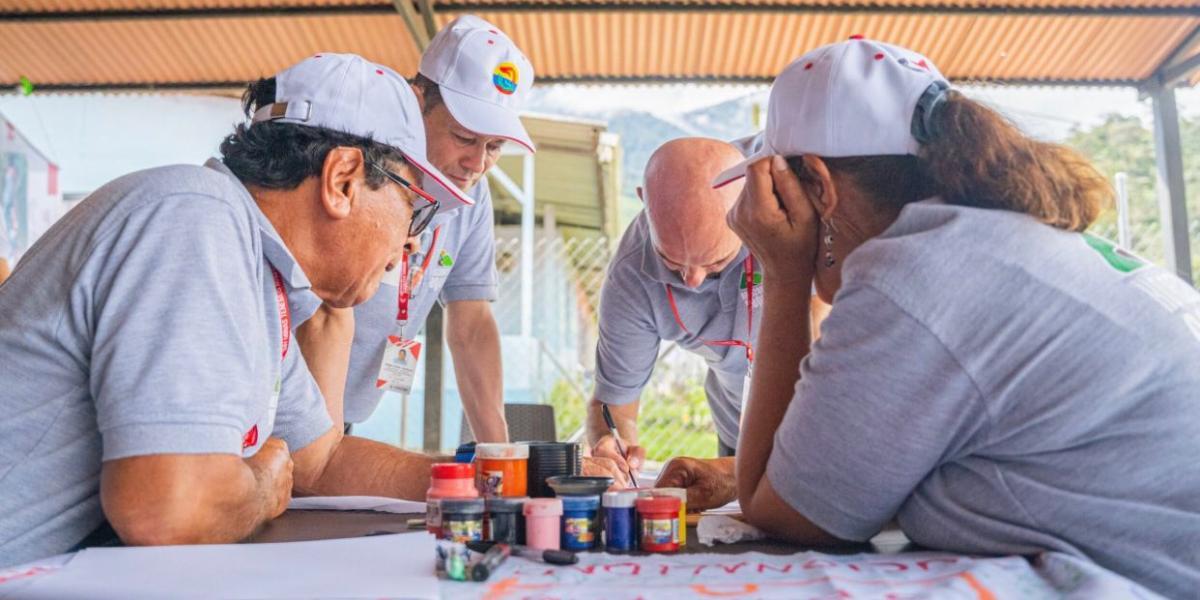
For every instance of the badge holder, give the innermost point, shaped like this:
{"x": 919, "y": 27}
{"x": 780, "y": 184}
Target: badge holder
{"x": 398, "y": 370}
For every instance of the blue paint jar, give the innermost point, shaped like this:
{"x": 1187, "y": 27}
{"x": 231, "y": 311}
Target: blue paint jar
{"x": 619, "y": 532}
{"x": 580, "y": 522}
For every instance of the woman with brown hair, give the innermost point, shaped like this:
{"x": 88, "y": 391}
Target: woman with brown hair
{"x": 989, "y": 376}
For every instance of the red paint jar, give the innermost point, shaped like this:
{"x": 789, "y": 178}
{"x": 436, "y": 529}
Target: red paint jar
{"x": 447, "y": 480}
{"x": 660, "y": 523}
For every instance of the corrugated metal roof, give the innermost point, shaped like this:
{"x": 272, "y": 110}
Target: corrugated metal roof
{"x": 739, "y": 45}
{"x": 102, "y": 5}
{"x": 627, "y": 41}
{"x": 180, "y": 51}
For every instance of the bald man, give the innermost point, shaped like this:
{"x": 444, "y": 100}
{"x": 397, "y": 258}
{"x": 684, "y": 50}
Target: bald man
{"x": 680, "y": 275}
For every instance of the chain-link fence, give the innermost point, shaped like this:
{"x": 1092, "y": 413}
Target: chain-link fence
{"x": 558, "y": 362}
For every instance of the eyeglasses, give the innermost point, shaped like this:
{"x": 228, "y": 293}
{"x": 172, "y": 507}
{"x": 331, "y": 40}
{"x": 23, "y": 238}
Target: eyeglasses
{"x": 421, "y": 215}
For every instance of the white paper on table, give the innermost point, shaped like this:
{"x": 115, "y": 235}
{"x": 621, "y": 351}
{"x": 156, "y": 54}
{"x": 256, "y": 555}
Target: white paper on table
{"x": 733, "y": 508}
{"x": 385, "y": 566}
{"x": 725, "y": 529}
{"x": 802, "y": 576}
{"x": 375, "y": 503}
{"x": 20, "y": 576}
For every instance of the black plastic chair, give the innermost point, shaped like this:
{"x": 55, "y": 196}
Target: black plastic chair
{"x": 526, "y": 423}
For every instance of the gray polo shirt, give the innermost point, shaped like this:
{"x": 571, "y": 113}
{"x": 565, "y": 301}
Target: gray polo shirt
{"x": 144, "y": 322}
{"x": 635, "y": 316}
{"x": 1003, "y": 387}
{"x": 460, "y": 246}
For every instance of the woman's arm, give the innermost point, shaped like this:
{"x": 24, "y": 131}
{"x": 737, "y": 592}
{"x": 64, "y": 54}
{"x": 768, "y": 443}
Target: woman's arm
{"x": 780, "y": 225}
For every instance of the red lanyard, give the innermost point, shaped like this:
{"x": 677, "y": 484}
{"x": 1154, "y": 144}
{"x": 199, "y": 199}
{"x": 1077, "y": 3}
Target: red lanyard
{"x": 406, "y": 285}
{"x": 748, "y": 267}
{"x": 285, "y": 312}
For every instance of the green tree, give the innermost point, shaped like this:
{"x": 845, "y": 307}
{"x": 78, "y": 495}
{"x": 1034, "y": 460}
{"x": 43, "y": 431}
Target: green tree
{"x": 1124, "y": 144}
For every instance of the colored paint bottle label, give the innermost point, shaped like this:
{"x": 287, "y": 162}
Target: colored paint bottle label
{"x": 579, "y": 530}
{"x": 659, "y": 531}
{"x": 493, "y": 483}
{"x": 463, "y": 530}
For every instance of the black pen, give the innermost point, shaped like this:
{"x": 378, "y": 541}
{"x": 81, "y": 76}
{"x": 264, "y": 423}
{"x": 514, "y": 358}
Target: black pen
{"x": 612, "y": 428}
{"x": 494, "y": 557}
{"x": 552, "y": 557}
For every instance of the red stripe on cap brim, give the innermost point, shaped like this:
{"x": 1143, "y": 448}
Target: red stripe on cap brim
{"x": 453, "y": 189}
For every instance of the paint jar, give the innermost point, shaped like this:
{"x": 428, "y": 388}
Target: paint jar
{"x": 503, "y": 469}
{"x": 505, "y": 520}
{"x": 660, "y": 523}
{"x": 465, "y": 453}
{"x": 542, "y": 518}
{"x": 580, "y": 522}
{"x": 682, "y": 495}
{"x": 550, "y": 459}
{"x": 462, "y": 519}
{"x": 447, "y": 480}
{"x": 618, "y": 520}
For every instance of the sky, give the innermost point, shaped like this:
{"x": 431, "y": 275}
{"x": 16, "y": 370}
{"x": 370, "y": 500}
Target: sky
{"x": 97, "y": 137}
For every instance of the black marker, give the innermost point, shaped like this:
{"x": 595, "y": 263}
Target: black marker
{"x": 495, "y": 556}
{"x": 612, "y": 427}
{"x": 550, "y": 557}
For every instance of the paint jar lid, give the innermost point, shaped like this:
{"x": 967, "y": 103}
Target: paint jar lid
{"x": 501, "y": 451}
{"x": 580, "y": 502}
{"x": 543, "y": 507}
{"x": 453, "y": 471}
{"x": 672, "y": 492}
{"x": 658, "y": 504}
{"x": 506, "y": 505}
{"x": 621, "y": 499}
{"x": 469, "y": 506}
{"x": 578, "y": 485}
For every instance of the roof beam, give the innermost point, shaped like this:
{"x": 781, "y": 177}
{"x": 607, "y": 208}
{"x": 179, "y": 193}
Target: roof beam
{"x": 1178, "y": 66}
{"x": 384, "y": 7}
{"x": 235, "y": 87}
{"x": 418, "y": 32}
{"x": 427, "y": 16}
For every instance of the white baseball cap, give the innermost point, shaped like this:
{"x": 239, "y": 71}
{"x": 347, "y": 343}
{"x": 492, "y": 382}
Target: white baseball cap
{"x": 852, "y": 98}
{"x": 347, "y": 93}
{"x": 484, "y": 78}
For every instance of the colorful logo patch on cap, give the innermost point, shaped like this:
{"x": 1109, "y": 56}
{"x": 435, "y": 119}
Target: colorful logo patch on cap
{"x": 505, "y": 78}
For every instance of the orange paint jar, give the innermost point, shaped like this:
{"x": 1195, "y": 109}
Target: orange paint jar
{"x": 503, "y": 469}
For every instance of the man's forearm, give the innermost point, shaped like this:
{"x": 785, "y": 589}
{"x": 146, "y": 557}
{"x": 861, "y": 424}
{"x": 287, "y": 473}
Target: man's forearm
{"x": 362, "y": 467}
{"x": 179, "y": 499}
{"x": 325, "y": 340}
{"x": 782, "y": 343}
{"x": 474, "y": 341}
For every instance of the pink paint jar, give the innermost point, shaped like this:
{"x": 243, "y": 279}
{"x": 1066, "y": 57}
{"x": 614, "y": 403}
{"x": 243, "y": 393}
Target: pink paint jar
{"x": 447, "y": 480}
{"x": 543, "y": 519}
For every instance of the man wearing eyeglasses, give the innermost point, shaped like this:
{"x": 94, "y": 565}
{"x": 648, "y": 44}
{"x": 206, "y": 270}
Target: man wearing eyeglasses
{"x": 471, "y": 83}
{"x": 150, "y": 386}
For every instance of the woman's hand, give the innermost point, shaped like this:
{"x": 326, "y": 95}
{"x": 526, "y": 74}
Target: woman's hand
{"x": 777, "y": 221}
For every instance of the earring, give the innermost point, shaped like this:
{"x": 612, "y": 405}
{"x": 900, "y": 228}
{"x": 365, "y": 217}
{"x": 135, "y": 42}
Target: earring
{"x": 829, "y": 260}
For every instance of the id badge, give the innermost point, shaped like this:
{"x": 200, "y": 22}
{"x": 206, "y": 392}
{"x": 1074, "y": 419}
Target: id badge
{"x": 399, "y": 368}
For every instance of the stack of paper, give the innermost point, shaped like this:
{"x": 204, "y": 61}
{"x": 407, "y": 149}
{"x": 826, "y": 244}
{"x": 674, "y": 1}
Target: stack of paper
{"x": 388, "y": 566}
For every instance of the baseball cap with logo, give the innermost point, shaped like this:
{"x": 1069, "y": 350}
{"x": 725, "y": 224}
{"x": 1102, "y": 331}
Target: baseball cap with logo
{"x": 483, "y": 77}
{"x": 852, "y": 98}
{"x": 347, "y": 93}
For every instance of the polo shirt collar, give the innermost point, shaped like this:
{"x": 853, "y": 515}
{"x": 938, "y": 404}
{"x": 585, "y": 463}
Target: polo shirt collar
{"x": 303, "y": 301}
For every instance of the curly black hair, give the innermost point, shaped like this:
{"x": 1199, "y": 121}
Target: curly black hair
{"x": 282, "y": 155}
